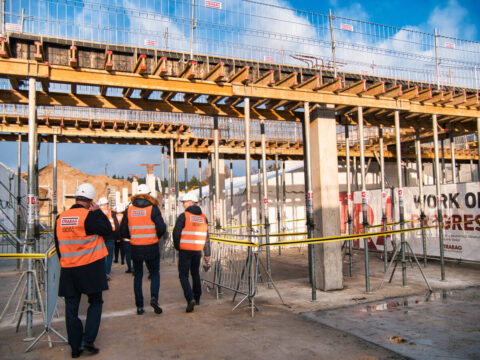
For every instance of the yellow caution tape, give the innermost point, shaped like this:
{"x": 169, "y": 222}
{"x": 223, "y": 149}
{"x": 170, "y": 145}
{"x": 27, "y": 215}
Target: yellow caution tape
{"x": 321, "y": 239}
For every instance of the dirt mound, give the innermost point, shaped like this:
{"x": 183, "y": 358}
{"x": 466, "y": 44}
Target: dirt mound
{"x": 68, "y": 178}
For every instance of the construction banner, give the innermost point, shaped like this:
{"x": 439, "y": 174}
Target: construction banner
{"x": 461, "y": 217}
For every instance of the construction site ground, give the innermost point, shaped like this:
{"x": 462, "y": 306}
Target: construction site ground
{"x": 394, "y": 322}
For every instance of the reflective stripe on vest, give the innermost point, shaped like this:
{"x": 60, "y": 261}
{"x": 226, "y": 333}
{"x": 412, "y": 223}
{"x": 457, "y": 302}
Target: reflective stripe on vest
{"x": 141, "y": 227}
{"x": 108, "y": 213}
{"x": 194, "y": 234}
{"x": 76, "y": 247}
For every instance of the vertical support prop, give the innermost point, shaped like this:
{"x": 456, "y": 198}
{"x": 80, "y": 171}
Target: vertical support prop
{"x": 384, "y": 198}
{"x": 349, "y": 200}
{"x": 19, "y": 194}
{"x": 418, "y": 150}
{"x": 265, "y": 196}
{"x": 400, "y": 195}
{"x": 439, "y": 197}
{"x": 364, "y": 197}
{"x": 309, "y": 196}
{"x": 277, "y": 197}
{"x": 217, "y": 209}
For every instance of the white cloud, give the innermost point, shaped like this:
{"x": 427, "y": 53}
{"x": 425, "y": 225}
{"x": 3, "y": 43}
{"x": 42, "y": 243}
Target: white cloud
{"x": 452, "y": 20}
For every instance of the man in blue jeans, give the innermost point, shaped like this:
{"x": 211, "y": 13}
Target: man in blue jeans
{"x": 109, "y": 240}
{"x": 143, "y": 224}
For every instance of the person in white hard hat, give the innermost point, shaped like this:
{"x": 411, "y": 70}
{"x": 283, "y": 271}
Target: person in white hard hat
{"x": 190, "y": 237}
{"x": 143, "y": 224}
{"x": 79, "y": 234}
{"x": 109, "y": 241}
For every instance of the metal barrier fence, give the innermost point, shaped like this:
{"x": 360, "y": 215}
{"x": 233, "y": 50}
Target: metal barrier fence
{"x": 256, "y": 30}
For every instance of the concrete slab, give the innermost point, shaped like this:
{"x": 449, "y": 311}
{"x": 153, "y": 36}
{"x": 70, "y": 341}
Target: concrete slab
{"x": 433, "y": 326}
{"x": 214, "y": 331}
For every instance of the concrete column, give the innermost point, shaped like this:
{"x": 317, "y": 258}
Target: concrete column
{"x": 328, "y": 256}
{"x": 211, "y": 188}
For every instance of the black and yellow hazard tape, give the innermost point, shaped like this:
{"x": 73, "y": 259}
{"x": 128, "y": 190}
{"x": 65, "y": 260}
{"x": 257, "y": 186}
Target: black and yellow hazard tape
{"x": 319, "y": 240}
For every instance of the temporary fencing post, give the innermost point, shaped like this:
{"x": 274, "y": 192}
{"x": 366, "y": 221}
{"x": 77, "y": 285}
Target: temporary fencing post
{"x": 277, "y": 193}
{"x": 265, "y": 198}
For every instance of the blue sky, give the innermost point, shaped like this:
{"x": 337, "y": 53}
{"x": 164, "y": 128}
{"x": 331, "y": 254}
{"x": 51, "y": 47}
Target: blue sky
{"x": 454, "y": 18}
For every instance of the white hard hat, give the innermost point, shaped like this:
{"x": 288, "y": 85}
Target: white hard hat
{"x": 190, "y": 196}
{"x": 102, "y": 201}
{"x": 85, "y": 190}
{"x": 143, "y": 189}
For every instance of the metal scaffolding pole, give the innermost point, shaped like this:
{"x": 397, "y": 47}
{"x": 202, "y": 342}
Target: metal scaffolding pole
{"x": 349, "y": 200}
{"x": 439, "y": 198}
{"x": 200, "y": 179}
{"x": 265, "y": 196}
{"x": 277, "y": 195}
{"x": 418, "y": 150}
{"x": 171, "y": 188}
{"x": 332, "y": 35}
{"x": 247, "y": 165}
{"x": 217, "y": 209}
{"x": 185, "y": 172}
{"x": 309, "y": 196}
{"x": 284, "y": 192}
{"x": 19, "y": 195}
{"x": 384, "y": 198}
{"x": 55, "y": 207}
{"x": 163, "y": 174}
{"x": 231, "y": 192}
{"x": 32, "y": 199}
{"x": 443, "y": 161}
{"x": 364, "y": 197}
{"x": 259, "y": 188}
{"x": 452, "y": 157}
{"x": 478, "y": 148}
{"x": 400, "y": 195}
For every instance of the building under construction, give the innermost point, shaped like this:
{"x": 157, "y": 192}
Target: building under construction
{"x": 359, "y": 147}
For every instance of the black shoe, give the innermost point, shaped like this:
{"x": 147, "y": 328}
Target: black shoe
{"x": 197, "y": 301}
{"x": 123, "y": 262}
{"x": 156, "y": 307}
{"x": 140, "y": 310}
{"x": 128, "y": 271}
{"x": 91, "y": 348}
{"x": 190, "y": 306}
{"x": 76, "y": 353}
{"x": 115, "y": 261}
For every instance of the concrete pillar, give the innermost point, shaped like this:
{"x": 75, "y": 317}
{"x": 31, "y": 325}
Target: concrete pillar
{"x": 211, "y": 188}
{"x": 326, "y": 210}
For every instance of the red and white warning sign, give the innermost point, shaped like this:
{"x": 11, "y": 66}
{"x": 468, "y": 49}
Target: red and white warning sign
{"x": 265, "y": 200}
{"x": 400, "y": 192}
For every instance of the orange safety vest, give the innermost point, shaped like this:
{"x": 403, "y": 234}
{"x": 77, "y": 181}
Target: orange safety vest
{"x": 194, "y": 234}
{"x": 76, "y": 247}
{"x": 141, "y": 227}
{"x": 108, "y": 213}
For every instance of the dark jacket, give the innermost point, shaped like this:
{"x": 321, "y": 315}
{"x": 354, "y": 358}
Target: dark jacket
{"x": 90, "y": 278}
{"x": 180, "y": 224}
{"x": 143, "y": 252}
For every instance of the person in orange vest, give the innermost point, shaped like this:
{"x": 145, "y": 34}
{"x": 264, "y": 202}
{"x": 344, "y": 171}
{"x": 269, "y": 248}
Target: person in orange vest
{"x": 143, "y": 224}
{"x": 190, "y": 237}
{"x": 79, "y": 234}
{"x": 109, "y": 240}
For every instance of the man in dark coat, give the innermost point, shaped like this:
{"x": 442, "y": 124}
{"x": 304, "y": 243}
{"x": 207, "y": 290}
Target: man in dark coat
{"x": 143, "y": 224}
{"x": 190, "y": 238}
{"x": 82, "y": 252}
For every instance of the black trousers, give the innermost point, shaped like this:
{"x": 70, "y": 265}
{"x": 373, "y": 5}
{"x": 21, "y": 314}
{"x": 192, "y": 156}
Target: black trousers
{"x": 75, "y": 332}
{"x": 189, "y": 261}
{"x": 119, "y": 247}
